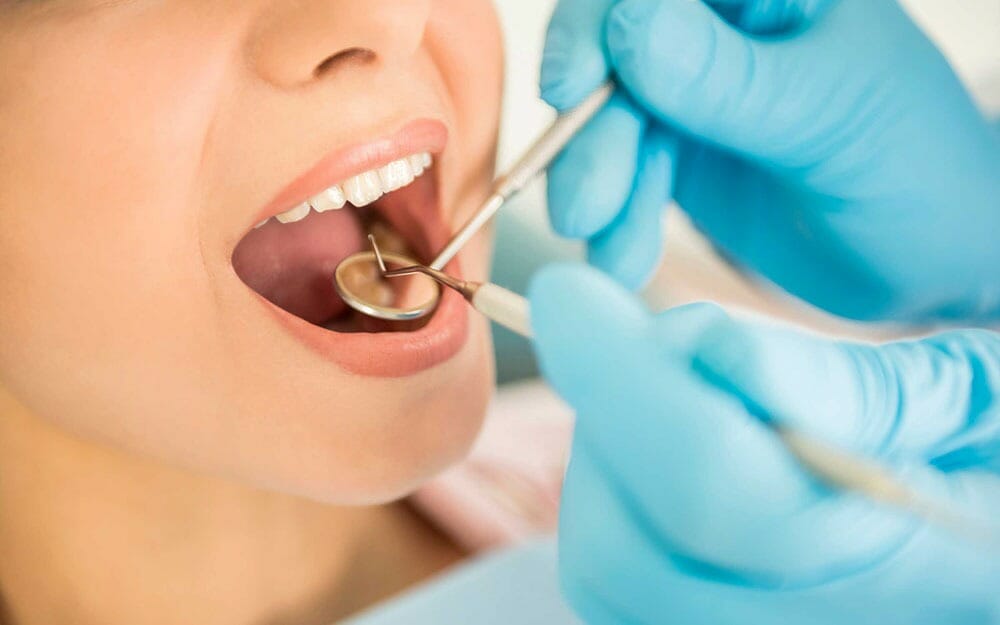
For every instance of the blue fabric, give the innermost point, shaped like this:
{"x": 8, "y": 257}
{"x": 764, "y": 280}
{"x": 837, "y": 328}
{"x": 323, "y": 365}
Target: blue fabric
{"x": 681, "y": 506}
{"x": 517, "y": 586}
{"x": 825, "y": 145}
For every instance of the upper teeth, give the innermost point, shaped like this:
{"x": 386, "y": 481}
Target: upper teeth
{"x": 362, "y": 189}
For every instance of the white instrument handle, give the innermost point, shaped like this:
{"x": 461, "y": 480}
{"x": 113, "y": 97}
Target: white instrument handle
{"x": 504, "y": 307}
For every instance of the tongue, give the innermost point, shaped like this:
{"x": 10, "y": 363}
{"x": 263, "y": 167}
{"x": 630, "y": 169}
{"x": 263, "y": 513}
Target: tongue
{"x": 292, "y": 264}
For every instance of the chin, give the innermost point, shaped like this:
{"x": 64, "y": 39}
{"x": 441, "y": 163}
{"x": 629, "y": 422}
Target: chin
{"x": 400, "y": 401}
{"x": 397, "y": 439}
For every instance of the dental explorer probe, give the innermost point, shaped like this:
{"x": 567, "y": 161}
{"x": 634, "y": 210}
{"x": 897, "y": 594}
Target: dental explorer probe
{"x": 495, "y": 302}
{"x": 834, "y": 467}
{"x": 533, "y": 162}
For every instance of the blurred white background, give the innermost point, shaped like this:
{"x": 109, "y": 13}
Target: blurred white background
{"x": 968, "y": 31}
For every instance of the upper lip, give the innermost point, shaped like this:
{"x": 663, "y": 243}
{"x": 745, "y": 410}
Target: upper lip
{"x": 386, "y": 353}
{"x": 422, "y": 135}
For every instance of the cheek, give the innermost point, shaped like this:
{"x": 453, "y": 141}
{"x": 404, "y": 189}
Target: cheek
{"x": 102, "y": 149}
{"x": 464, "y": 39}
{"x": 108, "y": 315}
{"x": 101, "y": 140}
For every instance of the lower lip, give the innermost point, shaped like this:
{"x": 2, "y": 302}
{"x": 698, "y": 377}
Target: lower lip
{"x": 394, "y": 354}
{"x": 387, "y": 354}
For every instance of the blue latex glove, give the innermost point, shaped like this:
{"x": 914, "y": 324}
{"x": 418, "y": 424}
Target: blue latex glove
{"x": 833, "y": 151}
{"x": 680, "y": 506}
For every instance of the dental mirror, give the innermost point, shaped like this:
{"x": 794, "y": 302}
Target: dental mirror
{"x": 358, "y": 280}
{"x": 534, "y": 160}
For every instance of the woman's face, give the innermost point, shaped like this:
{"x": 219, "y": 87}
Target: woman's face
{"x": 140, "y": 143}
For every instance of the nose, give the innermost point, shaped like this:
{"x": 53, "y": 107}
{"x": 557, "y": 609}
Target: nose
{"x": 296, "y": 43}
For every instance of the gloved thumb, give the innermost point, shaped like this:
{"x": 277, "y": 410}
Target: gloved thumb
{"x": 586, "y": 328}
{"x": 910, "y": 399}
{"x": 691, "y": 68}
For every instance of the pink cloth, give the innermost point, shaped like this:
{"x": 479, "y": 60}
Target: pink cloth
{"x": 507, "y": 490}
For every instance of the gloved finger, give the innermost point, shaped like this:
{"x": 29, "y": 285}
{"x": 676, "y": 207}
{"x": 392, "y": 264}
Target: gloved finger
{"x": 577, "y": 314}
{"x": 730, "y": 10}
{"x": 629, "y": 249}
{"x": 726, "y": 493}
{"x": 912, "y": 399}
{"x": 686, "y": 451}
{"x": 574, "y": 62}
{"x": 605, "y": 568}
{"x": 682, "y": 61}
{"x": 590, "y": 182}
{"x": 754, "y": 220}
{"x": 615, "y": 567}
{"x": 769, "y": 17}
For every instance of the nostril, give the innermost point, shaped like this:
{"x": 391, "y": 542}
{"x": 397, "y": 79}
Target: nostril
{"x": 351, "y": 55}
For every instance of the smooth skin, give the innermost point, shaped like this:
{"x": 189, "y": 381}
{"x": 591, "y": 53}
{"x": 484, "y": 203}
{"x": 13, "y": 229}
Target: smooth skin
{"x": 169, "y": 453}
{"x": 825, "y": 145}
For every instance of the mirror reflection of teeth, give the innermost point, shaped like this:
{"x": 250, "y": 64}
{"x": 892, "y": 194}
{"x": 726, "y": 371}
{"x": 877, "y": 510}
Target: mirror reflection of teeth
{"x": 362, "y": 189}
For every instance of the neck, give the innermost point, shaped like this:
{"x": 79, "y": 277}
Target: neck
{"x": 90, "y": 534}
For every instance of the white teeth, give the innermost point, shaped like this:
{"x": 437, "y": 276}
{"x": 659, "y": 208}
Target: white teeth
{"x": 416, "y": 164}
{"x": 396, "y": 175}
{"x": 262, "y": 223}
{"x": 420, "y": 162}
{"x": 331, "y": 199}
{"x": 298, "y": 213}
{"x": 363, "y": 189}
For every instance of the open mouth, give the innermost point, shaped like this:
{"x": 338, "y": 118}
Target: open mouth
{"x": 389, "y": 189}
{"x": 290, "y": 258}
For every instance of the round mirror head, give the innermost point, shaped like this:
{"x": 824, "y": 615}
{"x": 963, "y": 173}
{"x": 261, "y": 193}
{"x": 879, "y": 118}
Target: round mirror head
{"x": 358, "y": 280}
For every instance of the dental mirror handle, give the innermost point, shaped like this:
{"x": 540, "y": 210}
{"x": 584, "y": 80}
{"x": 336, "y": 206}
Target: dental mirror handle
{"x": 533, "y": 162}
{"x": 501, "y": 306}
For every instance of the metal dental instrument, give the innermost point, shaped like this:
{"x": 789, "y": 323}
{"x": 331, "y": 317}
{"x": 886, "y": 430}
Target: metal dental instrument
{"x": 356, "y": 299}
{"x": 495, "y": 302}
{"x": 533, "y": 162}
{"x": 836, "y": 468}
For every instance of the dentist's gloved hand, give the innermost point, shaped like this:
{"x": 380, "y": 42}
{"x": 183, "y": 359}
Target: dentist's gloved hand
{"x": 680, "y": 506}
{"x": 824, "y": 144}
